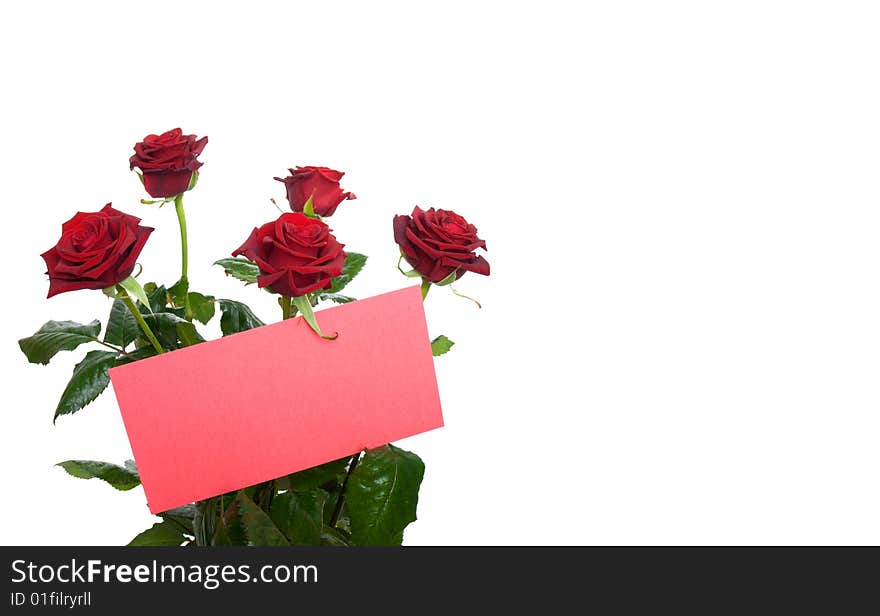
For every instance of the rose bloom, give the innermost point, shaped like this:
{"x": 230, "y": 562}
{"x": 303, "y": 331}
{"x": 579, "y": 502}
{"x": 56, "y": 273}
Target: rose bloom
{"x": 438, "y": 242}
{"x": 168, "y": 161}
{"x": 296, "y": 254}
{"x": 320, "y": 183}
{"x": 96, "y": 250}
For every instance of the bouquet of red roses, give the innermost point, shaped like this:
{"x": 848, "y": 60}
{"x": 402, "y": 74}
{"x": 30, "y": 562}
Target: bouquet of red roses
{"x": 365, "y": 499}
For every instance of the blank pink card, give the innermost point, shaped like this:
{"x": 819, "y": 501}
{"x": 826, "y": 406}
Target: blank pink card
{"x": 229, "y": 413}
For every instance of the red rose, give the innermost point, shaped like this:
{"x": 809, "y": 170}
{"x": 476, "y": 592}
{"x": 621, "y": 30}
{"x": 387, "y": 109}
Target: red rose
{"x": 320, "y": 183}
{"x": 96, "y": 250}
{"x": 296, "y": 254}
{"x": 167, "y": 161}
{"x": 438, "y": 242}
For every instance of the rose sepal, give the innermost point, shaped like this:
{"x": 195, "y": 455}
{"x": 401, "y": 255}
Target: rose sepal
{"x": 309, "y": 207}
{"x": 192, "y": 182}
{"x": 448, "y": 280}
{"x": 409, "y": 274}
{"x": 134, "y": 289}
{"x": 304, "y": 306}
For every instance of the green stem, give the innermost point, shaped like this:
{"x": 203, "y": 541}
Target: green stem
{"x": 426, "y": 286}
{"x": 110, "y": 346}
{"x": 140, "y": 321}
{"x": 184, "y": 252}
{"x": 337, "y": 509}
{"x": 285, "y": 307}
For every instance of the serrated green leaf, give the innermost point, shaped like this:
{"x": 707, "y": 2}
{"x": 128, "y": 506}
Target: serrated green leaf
{"x": 182, "y": 517}
{"x": 173, "y": 331}
{"x": 258, "y": 526}
{"x": 241, "y": 268}
{"x": 440, "y": 345}
{"x": 334, "y": 537}
{"x": 56, "y": 336}
{"x": 178, "y": 292}
{"x": 236, "y": 317}
{"x": 382, "y": 495}
{"x": 299, "y": 515}
{"x": 202, "y": 307}
{"x": 119, "y": 477}
{"x": 89, "y": 379}
{"x": 122, "y": 328}
{"x": 304, "y": 306}
{"x": 230, "y": 528}
{"x": 157, "y": 295}
{"x": 335, "y": 298}
{"x": 188, "y": 334}
{"x": 316, "y": 476}
{"x": 354, "y": 263}
{"x": 164, "y": 533}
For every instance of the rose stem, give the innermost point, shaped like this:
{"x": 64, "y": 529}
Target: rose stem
{"x": 285, "y": 307}
{"x": 140, "y": 320}
{"x": 184, "y": 253}
{"x": 337, "y": 509}
{"x": 426, "y": 286}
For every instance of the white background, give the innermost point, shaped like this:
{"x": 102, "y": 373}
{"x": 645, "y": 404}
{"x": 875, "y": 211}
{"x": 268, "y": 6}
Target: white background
{"x": 679, "y": 341}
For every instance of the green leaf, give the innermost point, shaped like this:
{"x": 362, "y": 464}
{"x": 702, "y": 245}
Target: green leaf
{"x": 160, "y": 299}
{"x": 135, "y": 290}
{"x": 241, "y": 268}
{"x": 304, "y": 306}
{"x": 177, "y": 292}
{"x": 440, "y": 345}
{"x": 188, "y": 333}
{"x": 230, "y": 528}
{"x": 258, "y": 526}
{"x": 316, "y": 476}
{"x": 164, "y": 533}
{"x": 236, "y": 317}
{"x": 382, "y": 495}
{"x": 56, "y": 336}
{"x": 122, "y": 328}
{"x": 335, "y": 537}
{"x": 336, "y": 298}
{"x": 119, "y": 477}
{"x": 182, "y": 517}
{"x": 354, "y": 263}
{"x": 202, "y": 307}
{"x": 299, "y": 515}
{"x": 172, "y": 330}
{"x": 89, "y": 379}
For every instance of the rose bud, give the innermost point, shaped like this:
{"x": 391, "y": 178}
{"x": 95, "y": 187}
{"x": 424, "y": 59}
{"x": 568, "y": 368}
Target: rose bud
{"x": 96, "y": 250}
{"x": 296, "y": 254}
{"x": 168, "y": 162}
{"x": 319, "y": 183}
{"x": 438, "y": 242}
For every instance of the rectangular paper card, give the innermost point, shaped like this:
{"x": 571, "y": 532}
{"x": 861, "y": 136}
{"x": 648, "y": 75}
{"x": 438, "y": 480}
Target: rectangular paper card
{"x": 260, "y": 404}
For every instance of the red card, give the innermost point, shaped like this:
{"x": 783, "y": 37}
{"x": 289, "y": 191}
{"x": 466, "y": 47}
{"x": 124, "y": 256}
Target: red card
{"x": 257, "y": 405}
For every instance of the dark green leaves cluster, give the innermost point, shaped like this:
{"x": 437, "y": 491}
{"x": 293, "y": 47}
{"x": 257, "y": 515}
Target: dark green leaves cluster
{"x": 325, "y": 505}
{"x": 123, "y": 340}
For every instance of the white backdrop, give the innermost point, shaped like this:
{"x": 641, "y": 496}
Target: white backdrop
{"x": 679, "y": 341}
